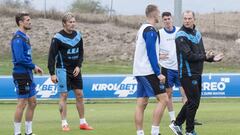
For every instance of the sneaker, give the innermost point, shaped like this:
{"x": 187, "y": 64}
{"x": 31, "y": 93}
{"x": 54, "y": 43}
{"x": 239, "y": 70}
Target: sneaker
{"x": 30, "y": 134}
{"x": 191, "y": 133}
{"x": 176, "y": 129}
{"x": 85, "y": 126}
{"x": 173, "y": 121}
{"x": 197, "y": 123}
{"x": 65, "y": 128}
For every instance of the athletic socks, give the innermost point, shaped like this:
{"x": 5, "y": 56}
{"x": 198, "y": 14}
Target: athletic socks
{"x": 64, "y": 122}
{"x": 17, "y": 128}
{"x": 140, "y": 132}
{"x": 155, "y": 130}
{"x": 28, "y": 127}
{"x": 172, "y": 115}
{"x": 83, "y": 121}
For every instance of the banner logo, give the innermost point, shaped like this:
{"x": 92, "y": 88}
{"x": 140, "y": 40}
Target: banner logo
{"x": 47, "y": 89}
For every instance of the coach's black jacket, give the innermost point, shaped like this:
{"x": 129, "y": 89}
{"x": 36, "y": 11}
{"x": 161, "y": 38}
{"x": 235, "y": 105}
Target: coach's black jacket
{"x": 190, "y": 52}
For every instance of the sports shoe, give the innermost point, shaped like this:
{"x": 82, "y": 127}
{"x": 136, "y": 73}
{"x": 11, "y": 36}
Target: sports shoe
{"x": 30, "y": 134}
{"x": 197, "y": 122}
{"x": 85, "y": 126}
{"x": 191, "y": 133}
{"x": 65, "y": 128}
{"x": 176, "y": 129}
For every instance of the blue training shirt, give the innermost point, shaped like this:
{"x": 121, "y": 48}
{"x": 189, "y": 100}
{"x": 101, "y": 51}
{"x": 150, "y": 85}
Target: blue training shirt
{"x": 21, "y": 53}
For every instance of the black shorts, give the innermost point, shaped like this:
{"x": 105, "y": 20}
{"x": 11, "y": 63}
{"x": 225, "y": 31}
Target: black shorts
{"x": 67, "y": 81}
{"x": 74, "y": 82}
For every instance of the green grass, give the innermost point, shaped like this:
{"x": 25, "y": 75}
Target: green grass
{"x": 87, "y": 67}
{"x": 112, "y": 68}
{"x": 219, "y": 117}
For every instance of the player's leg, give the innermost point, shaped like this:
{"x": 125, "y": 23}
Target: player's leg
{"x": 139, "y": 114}
{"x": 22, "y": 83}
{"x": 184, "y": 97}
{"x": 157, "y": 89}
{"x": 63, "y": 110}
{"x": 191, "y": 87}
{"x": 158, "y": 112}
{"x": 171, "y": 111}
{"x": 21, "y": 104}
{"x": 77, "y": 84}
{"x": 80, "y": 108}
{"x": 142, "y": 102}
{"x": 63, "y": 87}
{"x": 32, "y": 103}
{"x": 168, "y": 85}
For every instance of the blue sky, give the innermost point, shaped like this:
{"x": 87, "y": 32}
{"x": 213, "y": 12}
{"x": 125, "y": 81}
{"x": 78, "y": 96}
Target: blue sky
{"x": 136, "y": 7}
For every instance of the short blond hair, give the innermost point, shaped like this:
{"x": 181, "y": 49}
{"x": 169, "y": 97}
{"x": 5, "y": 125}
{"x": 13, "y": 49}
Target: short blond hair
{"x": 67, "y": 16}
{"x": 150, "y": 8}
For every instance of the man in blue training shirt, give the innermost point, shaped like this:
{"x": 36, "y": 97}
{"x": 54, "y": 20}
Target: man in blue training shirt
{"x": 22, "y": 74}
{"x": 66, "y": 54}
{"x": 147, "y": 72}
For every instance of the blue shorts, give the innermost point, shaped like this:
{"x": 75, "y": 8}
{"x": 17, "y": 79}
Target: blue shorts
{"x": 149, "y": 86}
{"x": 172, "y": 78}
{"x": 25, "y": 87}
{"x": 66, "y": 80}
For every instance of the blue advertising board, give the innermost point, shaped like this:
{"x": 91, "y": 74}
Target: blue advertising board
{"x": 122, "y": 86}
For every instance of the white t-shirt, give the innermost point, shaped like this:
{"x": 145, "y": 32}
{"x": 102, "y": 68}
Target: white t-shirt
{"x": 141, "y": 65}
{"x": 167, "y": 45}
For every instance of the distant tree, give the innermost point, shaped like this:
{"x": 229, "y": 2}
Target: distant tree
{"x": 88, "y": 6}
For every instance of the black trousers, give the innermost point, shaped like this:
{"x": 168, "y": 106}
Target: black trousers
{"x": 192, "y": 88}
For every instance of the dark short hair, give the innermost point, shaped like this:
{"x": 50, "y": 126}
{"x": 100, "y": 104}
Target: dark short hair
{"x": 20, "y": 17}
{"x": 150, "y": 8}
{"x": 166, "y": 14}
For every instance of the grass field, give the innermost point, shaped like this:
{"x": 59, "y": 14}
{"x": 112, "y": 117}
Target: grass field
{"x": 219, "y": 117}
{"x": 112, "y": 68}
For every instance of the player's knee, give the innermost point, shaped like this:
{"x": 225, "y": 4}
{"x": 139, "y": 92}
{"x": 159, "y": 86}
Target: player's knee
{"x": 79, "y": 95}
{"x": 64, "y": 96}
{"x": 169, "y": 92}
{"x": 163, "y": 98}
{"x": 32, "y": 104}
{"x": 21, "y": 105}
{"x": 142, "y": 104}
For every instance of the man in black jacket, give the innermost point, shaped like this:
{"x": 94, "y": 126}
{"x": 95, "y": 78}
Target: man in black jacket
{"x": 191, "y": 56}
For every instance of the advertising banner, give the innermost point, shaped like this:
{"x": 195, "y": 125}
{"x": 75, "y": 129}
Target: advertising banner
{"x": 122, "y": 86}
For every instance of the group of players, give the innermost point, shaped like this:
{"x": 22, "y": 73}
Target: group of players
{"x": 179, "y": 51}
{"x": 64, "y": 64}
{"x": 164, "y": 58}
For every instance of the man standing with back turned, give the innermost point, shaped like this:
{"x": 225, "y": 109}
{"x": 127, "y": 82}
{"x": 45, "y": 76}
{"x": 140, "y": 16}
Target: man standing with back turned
{"x": 147, "y": 72}
{"x": 191, "y": 56}
{"x": 22, "y": 74}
